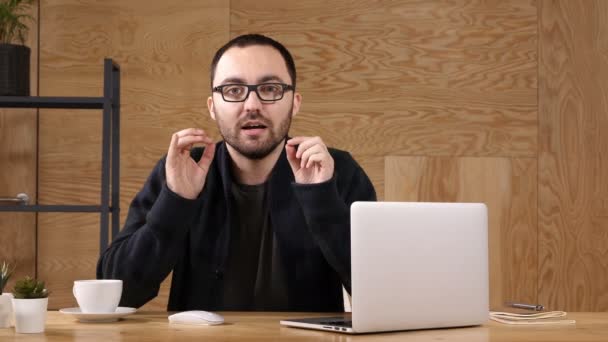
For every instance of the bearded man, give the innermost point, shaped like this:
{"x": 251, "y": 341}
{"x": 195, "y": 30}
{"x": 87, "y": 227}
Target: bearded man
{"x": 257, "y": 221}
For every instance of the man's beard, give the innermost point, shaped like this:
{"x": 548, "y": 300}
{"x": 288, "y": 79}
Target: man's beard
{"x": 261, "y": 147}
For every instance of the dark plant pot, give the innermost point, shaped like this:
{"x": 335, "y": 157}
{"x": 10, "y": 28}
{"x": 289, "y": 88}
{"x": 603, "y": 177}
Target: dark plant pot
{"x": 14, "y": 70}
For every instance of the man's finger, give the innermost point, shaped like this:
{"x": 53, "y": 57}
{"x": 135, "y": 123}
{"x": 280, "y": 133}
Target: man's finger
{"x": 315, "y": 149}
{"x": 207, "y": 157}
{"x": 290, "y": 151}
{"x": 307, "y": 144}
{"x": 190, "y": 131}
{"x": 173, "y": 150}
{"x": 296, "y": 140}
{"x": 315, "y": 158}
{"x": 186, "y": 141}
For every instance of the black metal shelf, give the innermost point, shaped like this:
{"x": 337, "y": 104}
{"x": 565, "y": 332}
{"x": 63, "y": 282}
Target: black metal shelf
{"x": 110, "y": 149}
{"x": 52, "y": 102}
{"x": 54, "y": 208}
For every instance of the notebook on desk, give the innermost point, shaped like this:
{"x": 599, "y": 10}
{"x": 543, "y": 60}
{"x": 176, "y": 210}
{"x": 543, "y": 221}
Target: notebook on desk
{"x": 414, "y": 266}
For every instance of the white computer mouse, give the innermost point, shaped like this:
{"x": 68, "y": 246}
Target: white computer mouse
{"x": 196, "y": 317}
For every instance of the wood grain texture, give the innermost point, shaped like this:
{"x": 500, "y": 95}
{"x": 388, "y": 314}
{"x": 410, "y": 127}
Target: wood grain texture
{"x": 163, "y": 49}
{"x": 507, "y": 186}
{"x": 18, "y": 161}
{"x": 18, "y": 141}
{"x": 409, "y": 77}
{"x": 374, "y": 168}
{"x": 435, "y": 78}
{"x": 68, "y": 249}
{"x": 573, "y": 178}
{"x": 427, "y": 79}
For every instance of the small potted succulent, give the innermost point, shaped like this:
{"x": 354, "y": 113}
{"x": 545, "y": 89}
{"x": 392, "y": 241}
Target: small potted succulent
{"x": 30, "y": 304}
{"x": 6, "y": 305}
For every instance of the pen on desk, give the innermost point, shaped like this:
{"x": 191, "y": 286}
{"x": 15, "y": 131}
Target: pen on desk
{"x": 535, "y": 307}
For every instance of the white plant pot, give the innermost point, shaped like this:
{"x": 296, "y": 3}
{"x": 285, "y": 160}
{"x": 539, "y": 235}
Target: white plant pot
{"x": 6, "y": 310}
{"x": 30, "y": 315}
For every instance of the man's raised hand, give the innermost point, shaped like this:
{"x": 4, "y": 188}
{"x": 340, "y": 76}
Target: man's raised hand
{"x": 185, "y": 176}
{"x": 310, "y": 160}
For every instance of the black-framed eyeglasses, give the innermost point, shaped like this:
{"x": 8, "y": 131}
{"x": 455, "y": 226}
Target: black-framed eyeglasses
{"x": 240, "y": 92}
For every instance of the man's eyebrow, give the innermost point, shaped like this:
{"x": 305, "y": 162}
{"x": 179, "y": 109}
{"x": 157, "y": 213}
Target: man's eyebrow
{"x": 231, "y": 80}
{"x": 268, "y": 78}
{"x": 263, "y": 79}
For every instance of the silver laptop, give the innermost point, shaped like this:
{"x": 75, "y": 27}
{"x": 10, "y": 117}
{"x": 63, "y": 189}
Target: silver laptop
{"x": 414, "y": 266}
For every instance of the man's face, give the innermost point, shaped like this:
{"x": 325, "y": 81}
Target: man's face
{"x": 254, "y": 128}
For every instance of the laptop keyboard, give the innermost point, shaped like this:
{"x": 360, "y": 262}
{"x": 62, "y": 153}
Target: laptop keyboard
{"x": 341, "y": 323}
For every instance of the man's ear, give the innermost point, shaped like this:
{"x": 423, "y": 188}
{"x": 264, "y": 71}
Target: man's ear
{"x": 297, "y": 101}
{"x": 211, "y": 107}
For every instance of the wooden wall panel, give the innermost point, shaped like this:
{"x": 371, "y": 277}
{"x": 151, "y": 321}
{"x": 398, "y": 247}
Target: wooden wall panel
{"x": 163, "y": 49}
{"x": 68, "y": 247}
{"x": 416, "y": 78}
{"x": 428, "y": 78}
{"x": 409, "y": 77}
{"x": 573, "y": 178}
{"x": 374, "y": 168}
{"x": 18, "y": 144}
{"x": 507, "y": 186}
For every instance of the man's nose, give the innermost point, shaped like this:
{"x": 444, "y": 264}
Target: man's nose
{"x": 252, "y": 102}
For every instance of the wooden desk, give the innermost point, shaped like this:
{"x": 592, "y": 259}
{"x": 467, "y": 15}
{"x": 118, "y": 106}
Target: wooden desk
{"x": 265, "y": 327}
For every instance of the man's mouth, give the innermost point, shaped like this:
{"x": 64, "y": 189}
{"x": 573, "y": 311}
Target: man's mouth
{"x": 246, "y": 127}
{"x": 253, "y": 125}
{"x": 253, "y": 128}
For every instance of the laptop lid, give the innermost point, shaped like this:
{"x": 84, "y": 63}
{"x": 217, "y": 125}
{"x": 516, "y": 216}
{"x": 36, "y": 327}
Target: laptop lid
{"x": 414, "y": 266}
{"x": 418, "y": 265}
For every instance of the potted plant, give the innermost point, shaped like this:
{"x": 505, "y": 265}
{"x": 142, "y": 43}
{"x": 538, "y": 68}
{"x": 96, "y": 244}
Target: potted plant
{"x": 30, "y": 304}
{"x": 14, "y": 55}
{"x": 6, "y": 305}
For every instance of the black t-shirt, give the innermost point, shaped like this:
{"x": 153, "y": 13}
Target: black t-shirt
{"x": 253, "y": 275}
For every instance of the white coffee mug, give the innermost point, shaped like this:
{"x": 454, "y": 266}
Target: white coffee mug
{"x": 98, "y": 295}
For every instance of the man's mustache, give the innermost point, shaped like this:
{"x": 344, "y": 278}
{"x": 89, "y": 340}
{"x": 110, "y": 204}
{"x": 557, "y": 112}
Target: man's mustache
{"x": 255, "y": 116}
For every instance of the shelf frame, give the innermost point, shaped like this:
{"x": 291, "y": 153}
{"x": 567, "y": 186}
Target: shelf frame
{"x": 110, "y": 150}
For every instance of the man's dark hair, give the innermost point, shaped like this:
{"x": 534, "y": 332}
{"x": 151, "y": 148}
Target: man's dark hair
{"x": 255, "y": 39}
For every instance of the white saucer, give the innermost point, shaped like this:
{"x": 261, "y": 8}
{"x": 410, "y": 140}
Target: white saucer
{"x": 98, "y": 317}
